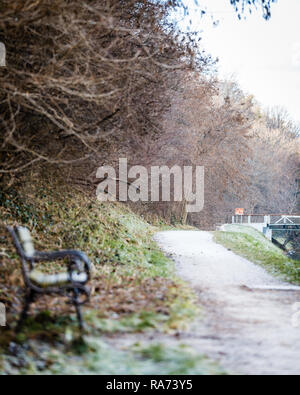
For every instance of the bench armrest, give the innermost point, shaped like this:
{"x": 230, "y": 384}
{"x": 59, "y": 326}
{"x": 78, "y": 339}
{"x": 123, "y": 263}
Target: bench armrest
{"x": 76, "y": 257}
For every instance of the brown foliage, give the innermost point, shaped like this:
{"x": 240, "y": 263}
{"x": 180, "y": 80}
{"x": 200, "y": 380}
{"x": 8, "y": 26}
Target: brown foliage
{"x": 273, "y": 169}
{"x": 90, "y": 81}
{"x": 204, "y": 129}
{"x": 247, "y": 162}
{"x": 82, "y": 75}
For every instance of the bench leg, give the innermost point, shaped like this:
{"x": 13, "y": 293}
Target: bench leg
{"x": 79, "y": 317}
{"x": 78, "y": 309}
{"x": 28, "y": 300}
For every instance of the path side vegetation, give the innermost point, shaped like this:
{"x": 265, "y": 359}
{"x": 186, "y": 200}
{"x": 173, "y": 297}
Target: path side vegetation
{"x": 254, "y": 246}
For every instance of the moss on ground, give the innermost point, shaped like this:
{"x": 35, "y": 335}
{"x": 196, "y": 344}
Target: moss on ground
{"x": 254, "y": 246}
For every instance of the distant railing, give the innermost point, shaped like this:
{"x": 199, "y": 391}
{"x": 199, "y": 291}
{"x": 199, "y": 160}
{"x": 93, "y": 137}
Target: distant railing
{"x": 266, "y": 219}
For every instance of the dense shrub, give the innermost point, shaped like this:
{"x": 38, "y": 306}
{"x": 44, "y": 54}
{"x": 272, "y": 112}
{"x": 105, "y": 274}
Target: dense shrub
{"x": 83, "y": 74}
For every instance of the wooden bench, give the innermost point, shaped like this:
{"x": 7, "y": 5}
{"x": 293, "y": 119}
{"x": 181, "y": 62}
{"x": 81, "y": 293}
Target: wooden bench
{"x": 71, "y": 283}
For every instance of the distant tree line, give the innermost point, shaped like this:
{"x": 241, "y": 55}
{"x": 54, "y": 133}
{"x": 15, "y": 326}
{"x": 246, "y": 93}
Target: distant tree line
{"x": 251, "y": 156}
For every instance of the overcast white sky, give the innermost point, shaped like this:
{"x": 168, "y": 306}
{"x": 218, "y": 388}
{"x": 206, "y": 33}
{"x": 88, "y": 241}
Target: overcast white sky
{"x": 263, "y": 55}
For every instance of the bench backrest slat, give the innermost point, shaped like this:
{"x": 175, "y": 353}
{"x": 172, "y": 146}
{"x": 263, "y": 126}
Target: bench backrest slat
{"x": 26, "y": 241}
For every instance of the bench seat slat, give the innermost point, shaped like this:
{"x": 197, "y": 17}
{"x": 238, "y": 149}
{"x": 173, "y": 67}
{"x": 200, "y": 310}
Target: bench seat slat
{"x": 49, "y": 280}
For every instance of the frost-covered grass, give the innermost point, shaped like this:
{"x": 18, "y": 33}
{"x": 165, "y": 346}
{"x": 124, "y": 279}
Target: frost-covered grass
{"x": 254, "y": 246}
{"x": 94, "y": 356}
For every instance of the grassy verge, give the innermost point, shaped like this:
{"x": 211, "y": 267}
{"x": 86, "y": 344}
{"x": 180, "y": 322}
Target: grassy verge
{"x": 134, "y": 289}
{"x": 97, "y": 357}
{"x": 253, "y": 245}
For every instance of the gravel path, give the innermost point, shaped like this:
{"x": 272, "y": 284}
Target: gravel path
{"x": 247, "y": 318}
